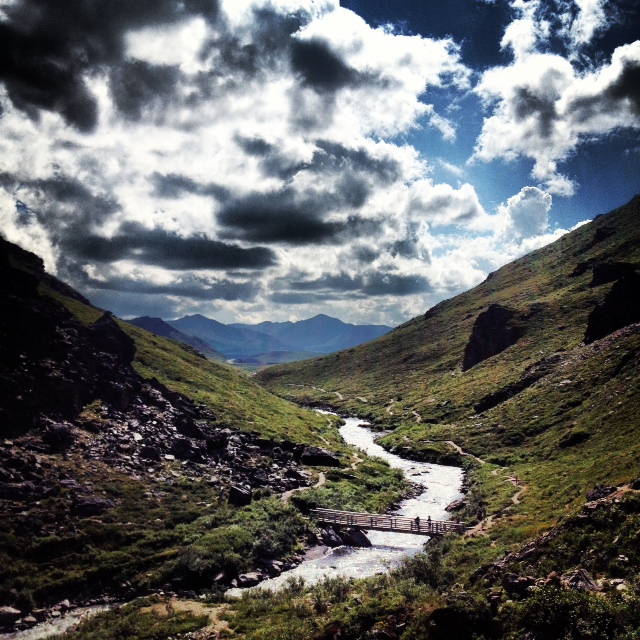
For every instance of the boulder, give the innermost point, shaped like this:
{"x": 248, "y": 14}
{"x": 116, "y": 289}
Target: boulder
{"x": 317, "y": 456}
{"x": 150, "y": 453}
{"x": 456, "y": 505}
{"x": 356, "y": 538}
{"x": 600, "y": 491}
{"x": 249, "y": 579}
{"x": 606, "y": 272}
{"x": 58, "y": 435}
{"x": 86, "y": 506}
{"x": 239, "y": 496}
{"x": 183, "y": 449}
{"x": 8, "y": 616}
{"x": 331, "y": 538}
{"x": 621, "y": 307}
{"x": 581, "y": 580}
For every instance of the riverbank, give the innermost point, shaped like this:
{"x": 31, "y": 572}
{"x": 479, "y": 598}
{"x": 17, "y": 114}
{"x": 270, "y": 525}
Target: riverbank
{"x": 437, "y": 486}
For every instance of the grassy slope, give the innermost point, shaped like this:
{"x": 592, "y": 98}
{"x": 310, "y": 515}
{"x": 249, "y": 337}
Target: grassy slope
{"x": 417, "y": 368}
{"x": 234, "y": 398}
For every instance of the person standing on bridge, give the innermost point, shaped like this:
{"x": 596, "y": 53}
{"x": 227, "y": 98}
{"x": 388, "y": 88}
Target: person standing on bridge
{"x": 428, "y": 523}
{"x": 418, "y": 522}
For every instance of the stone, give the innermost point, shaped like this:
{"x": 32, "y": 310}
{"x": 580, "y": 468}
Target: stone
{"x": 249, "y": 579}
{"x": 59, "y": 436}
{"x": 456, "y": 505}
{"x": 493, "y": 331}
{"x": 9, "y": 616}
{"x": 182, "y": 449}
{"x": 331, "y": 538}
{"x": 580, "y": 579}
{"x": 149, "y": 453}
{"x": 621, "y": 307}
{"x": 239, "y": 496}
{"x": 86, "y": 506}
{"x": 356, "y": 538}
{"x": 599, "y": 491}
{"x": 317, "y": 456}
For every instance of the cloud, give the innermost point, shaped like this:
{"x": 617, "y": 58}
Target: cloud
{"x": 46, "y": 54}
{"x": 527, "y": 213}
{"x": 544, "y": 108}
{"x": 169, "y": 250}
{"x": 244, "y": 155}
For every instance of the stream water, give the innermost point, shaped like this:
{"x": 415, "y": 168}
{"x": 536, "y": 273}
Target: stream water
{"x": 442, "y": 486}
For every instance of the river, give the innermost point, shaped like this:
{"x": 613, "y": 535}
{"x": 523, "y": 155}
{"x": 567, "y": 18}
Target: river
{"x": 442, "y": 486}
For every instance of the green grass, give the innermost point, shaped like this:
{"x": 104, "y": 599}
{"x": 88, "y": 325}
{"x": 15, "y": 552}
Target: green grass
{"x": 573, "y": 429}
{"x": 138, "y": 621}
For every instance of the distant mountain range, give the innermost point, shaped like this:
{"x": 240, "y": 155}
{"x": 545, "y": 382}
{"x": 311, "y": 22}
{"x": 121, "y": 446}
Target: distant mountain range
{"x": 266, "y": 342}
{"x": 161, "y": 328}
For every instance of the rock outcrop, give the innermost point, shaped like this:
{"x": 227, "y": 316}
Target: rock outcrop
{"x": 621, "y": 307}
{"x": 317, "y": 456}
{"x": 493, "y": 332}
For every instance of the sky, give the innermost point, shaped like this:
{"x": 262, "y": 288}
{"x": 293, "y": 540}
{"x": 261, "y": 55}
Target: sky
{"x": 257, "y": 160}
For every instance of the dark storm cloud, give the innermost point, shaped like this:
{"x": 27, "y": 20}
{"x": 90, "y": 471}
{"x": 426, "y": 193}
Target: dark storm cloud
{"x": 174, "y": 185}
{"x": 384, "y": 284}
{"x": 169, "y": 250}
{"x": 627, "y": 86}
{"x": 247, "y": 55}
{"x": 276, "y": 219}
{"x": 137, "y": 85}
{"x": 337, "y": 157}
{"x": 539, "y": 103}
{"x": 254, "y": 146}
{"x": 224, "y": 290}
{"x": 187, "y": 286}
{"x": 375, "y": 283}
{"x": 71, "y": 205}
{"x": 292, "y": 298}
{"x": 47, "y": 47}
{"x": 624, "y": 89}
{"x": 288, "y": 218}
{"x": 298, "y": 219}
{"x": 319, "y": 67}
{"x": 335, "y": 282}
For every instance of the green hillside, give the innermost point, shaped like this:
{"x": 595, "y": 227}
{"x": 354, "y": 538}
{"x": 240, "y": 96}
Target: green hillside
{"x": 543, "y": 421}
{"x": 561, "y": 414}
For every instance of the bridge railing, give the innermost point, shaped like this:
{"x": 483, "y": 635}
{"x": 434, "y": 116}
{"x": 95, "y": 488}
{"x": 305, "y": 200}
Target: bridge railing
{"x": 386, "y": 522}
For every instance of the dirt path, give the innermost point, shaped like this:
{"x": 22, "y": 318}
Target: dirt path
{"x": 388, "y": 407}
{"x": 418, "y": 417}
{"x": 356, "y": 461}
{"x": 459, "y": 449}
{"x": 340, "y": 396}
{"x": 485, "y": 524}
{"x": 286, "y": 496}
{"x": 196, "y": 608}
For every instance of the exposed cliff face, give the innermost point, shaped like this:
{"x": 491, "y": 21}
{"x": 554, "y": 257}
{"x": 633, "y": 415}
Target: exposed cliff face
{"x": 621, "y": 307}
{"x": 493, "y": 332}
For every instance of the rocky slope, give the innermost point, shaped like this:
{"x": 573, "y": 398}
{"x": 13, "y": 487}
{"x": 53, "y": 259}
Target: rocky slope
{"x": 108, "y": 475}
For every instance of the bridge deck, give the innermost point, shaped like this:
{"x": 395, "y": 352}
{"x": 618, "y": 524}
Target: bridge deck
{"x": 376, "y": 522}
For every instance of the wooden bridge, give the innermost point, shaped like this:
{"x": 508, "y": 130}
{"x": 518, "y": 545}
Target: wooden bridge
{"x": 398, "y": 524}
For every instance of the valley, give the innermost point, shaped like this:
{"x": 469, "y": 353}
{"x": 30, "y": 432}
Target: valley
{"x": 134, "y": 468}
